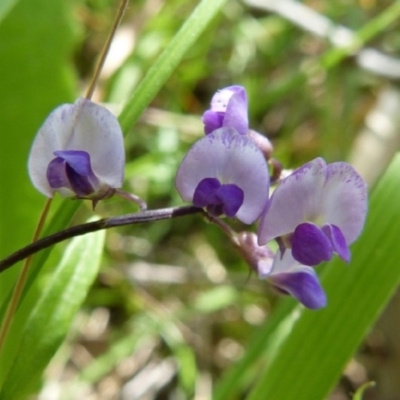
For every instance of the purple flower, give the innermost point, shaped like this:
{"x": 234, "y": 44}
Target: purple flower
{"x": 284, "y": 273}
{"x": 226, "y": 173}
{"x": 228, "y": 109}
{"x": 78, "y": 152}
{"x": 288, "y": 276}
{"x": 316, "y": 211}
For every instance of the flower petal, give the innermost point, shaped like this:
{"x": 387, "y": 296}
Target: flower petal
{"x": 212, "y": 120}
{"x": 345, "y": 200}
{"x": 303, "y": 285}
{"x": 78, "y": 160}
{"x": 76, "y": 174}
{"x": 310, "y": 245}
{"x": 236, "y": 112}
{"x": 83, "y": 126}
{"x": 232, "y": 198}
{"x": 57, "y": 174}
{"x": 259, "y": 258}
{"x": 296, "y": 200}
{"x": 205, "y": 193}
{"x": 228, "y": 109}
{"x": 232, "y": 159}
{"x": 300, "y": 281}
{"x": 338, "y": 241}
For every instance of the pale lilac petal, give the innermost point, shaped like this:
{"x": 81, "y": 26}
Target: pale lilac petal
{"x": 259, "y": 258}
{"x": 345, "y": 200}
{"x": 98, "y": 132}
{"x": 303, "y": 285}
{"x": 236, "y": 113}
{"x": 310, "y": 245}
{"x": 228, "y": 109}
{"x": 50, "y": 138}
{"x": 338, "y": 241}
{"x": 297, "y": 199}
{"x": 221, "y": 98}
{"x": 83, "y": 126}
{"x": 232, "y": 159}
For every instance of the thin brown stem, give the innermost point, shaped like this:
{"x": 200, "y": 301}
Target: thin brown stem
{"x": 16, "y": 295}
{"x": 106, "y": 223}
{"x": 106, "y": 48}
{"x": 227, "y": 229}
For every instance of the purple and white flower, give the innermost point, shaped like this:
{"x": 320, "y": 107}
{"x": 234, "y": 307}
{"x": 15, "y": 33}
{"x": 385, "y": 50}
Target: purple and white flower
{"x": 316, "y": 211}
{"x": 228, "y": 109}
{"x": 283, "y": 272}
{"x": 226, "y": 173}
{"x": 78, "y": 152}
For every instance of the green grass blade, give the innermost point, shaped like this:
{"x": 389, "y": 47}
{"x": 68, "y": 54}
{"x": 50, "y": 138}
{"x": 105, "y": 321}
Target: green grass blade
{"x": 168, "y": 61}
{"x": 53, "y": 314}
{"x": 363, "y": 35}
{"x": 311, "y": 359}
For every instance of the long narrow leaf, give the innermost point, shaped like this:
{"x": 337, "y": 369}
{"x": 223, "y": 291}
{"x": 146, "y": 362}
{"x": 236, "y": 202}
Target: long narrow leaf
{"x": 168, "y": 61}
{"x": 53, "y": 314}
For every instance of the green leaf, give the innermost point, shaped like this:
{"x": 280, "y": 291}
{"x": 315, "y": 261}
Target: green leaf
{"x": 315, "y": 353}
{"x": 53, "y": 314}
{"x": 358, "y": 395}
{"x": 36, "y": 41}
{"x": 168, "y": 61}
{"x": 5, "y": 7}
{"x": 264, "y": 342}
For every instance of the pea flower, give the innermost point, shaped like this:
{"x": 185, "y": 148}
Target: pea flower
{"x": 316, "y": 211}
{"x": 228, "y": 109}
{"x": 226, "y": 173}
{"x": 78, "y": 152}
{"x": 285, "y": 274}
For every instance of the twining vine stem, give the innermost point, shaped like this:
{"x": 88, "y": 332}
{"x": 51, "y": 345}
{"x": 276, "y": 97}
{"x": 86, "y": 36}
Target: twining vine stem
{"x": 105, "y": 223}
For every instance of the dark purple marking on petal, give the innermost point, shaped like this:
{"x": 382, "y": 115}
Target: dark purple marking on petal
{"x": 303, "y": 285}
{"x": 231, "y": 196}
{"x": 310, "y": 245}
{"x": 338, "y": 241}
{"x": 71, "y": 169}
{"x": 219, "y": 199}
{"x": 79, "y": 184}
{"x": 56, "y": 174}
{"x": 77, "y": 160}
{"x": 212, "y": 120}
{"x": 205, "y": 193}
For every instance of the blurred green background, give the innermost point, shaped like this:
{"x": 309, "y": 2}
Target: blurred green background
{"x": 173, "y": 307}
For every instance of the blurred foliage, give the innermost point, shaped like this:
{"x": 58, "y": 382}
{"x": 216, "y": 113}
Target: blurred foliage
{"x": 174, "y": 297}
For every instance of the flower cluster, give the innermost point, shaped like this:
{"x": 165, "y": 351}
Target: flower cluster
{"x": 316, "y": 211}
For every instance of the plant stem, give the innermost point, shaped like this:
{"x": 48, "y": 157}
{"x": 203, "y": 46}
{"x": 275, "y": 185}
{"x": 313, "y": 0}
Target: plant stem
{"x": 106, "y": 48}
{"x": 22, "y": 279}
{"x": 106, "y": 223}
